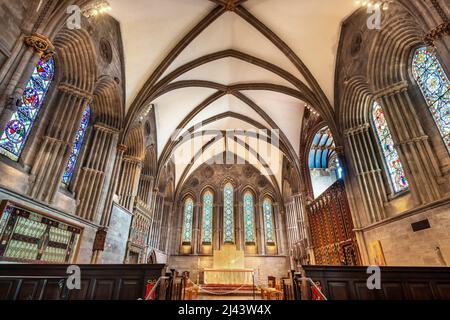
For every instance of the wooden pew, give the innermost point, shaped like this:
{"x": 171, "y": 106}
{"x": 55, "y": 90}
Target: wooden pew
{"x": 397, "y": 283}
{"x": 98, "y": 282}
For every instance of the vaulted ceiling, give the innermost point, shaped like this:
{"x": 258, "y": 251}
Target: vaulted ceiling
{"x": 253, "y": 67}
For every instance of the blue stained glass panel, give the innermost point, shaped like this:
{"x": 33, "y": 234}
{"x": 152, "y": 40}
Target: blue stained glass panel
{"x": 76, "y": 148}
{"x": 249, "y": 218}
{"x": 207, "y": 226}
{"x": 390, "y": 154}
{"x": 188, "y": 220}
{"x": 15, "y": 135}
{"x": 268, "y": 220}
{"x": 228, "y": 214}
{"x": 435, "y": 87}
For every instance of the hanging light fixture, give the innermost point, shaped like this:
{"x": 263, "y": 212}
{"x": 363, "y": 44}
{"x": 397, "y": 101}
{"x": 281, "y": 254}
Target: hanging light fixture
{"x": 383, "y": 4}
{"x": 96, "y": 8}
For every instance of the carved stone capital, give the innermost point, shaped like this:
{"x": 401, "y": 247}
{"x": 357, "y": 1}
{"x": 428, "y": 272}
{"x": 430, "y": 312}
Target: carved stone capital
{"x": 122, "y": 148}
{"x": 392, "y": 90}
{"x": 77, "y": 92}
{"x": 437, "y": 33}
{"x": 41, "y": 44}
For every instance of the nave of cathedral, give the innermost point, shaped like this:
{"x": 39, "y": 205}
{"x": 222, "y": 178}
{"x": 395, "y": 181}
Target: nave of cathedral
{"x": 225, "y": 148}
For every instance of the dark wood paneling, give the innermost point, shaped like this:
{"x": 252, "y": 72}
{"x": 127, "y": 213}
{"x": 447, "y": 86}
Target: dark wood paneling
{"x": 397, "y": 283}
{"x": 98, "y": 282}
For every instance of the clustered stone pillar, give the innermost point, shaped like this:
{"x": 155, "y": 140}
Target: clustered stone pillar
{"x": 129, "y": 182}
{"x": 89, "y": 186}
{"x": 56, "y": 145}
{"x": 412, "y": 144}
{"x": 368, "y": 172}
{"x": 113, "y": 184}
{"x": 259, "y": 221}
{"x": 296, "y": 221}
{"x": 146, "y": 186}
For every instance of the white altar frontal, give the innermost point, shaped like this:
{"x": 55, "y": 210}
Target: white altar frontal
{"x": 228, "y": 268}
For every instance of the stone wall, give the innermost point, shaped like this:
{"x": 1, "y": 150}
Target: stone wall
{"x": 11, "y": 16}
{"x": 404, "y": 247}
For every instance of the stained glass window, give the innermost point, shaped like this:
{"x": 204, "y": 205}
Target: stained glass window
{"x": 207, "y": 225}
{"x": 435, "y": 87}
{"x": 76, "y": 148}
{"x": 188, "y": 218}
{"x": 390, "y": 154}
{"x": 14, "y": 137}
{"x": 249, "y": 221}
{"x": 228, "y": 214}
{"x": 268, "y": 220}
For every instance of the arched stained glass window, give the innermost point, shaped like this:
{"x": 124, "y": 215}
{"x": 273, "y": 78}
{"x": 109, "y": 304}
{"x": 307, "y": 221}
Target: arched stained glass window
{"x": 435, "y": 87}
{"x": 76, "y": 148}
{"x": 188, "y": 218}
{"x": 268, "y": 220}
{"x": 394, "y": 166}
{"x": 207, "y": 225}
{"x": 14, "y": 137}
{"x": 228, "y": 213}
{"x": 249, "y": 220}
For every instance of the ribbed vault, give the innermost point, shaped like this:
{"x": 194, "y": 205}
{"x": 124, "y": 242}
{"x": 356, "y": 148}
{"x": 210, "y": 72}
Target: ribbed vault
{"x": 222, "y": 67}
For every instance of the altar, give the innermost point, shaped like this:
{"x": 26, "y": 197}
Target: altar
{"x": 228, "y": 268}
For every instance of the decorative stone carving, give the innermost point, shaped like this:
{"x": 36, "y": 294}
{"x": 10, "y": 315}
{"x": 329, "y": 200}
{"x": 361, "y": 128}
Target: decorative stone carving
{"x": 106, "y": 51}
{"x": 42, "y": 45}
{"x": 208, "y": 173}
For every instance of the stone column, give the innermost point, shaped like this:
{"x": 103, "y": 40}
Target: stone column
{"x": 261, "y": 239}
{"x": 57, "y": 143}
{"x": 113, "y": 185}
{"x": 412, "y": 144}
{"x": 89, "y": 186}
{"x": 196, "y": 241}
{"x": 217, "y": 230}
{"x": 131, "y": 171}
{"x": 368, "y": 172}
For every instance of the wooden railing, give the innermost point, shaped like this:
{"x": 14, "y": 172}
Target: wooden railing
{"x": 98, "y": 282}
{"x": 397, "y": 283}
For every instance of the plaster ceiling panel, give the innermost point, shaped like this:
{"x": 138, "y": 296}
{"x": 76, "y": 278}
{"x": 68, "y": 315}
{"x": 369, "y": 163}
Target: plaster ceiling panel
{"x": 311, "y": 28}
{"x": 150, "y": 29}
{"x": 230, "y": 71}
{"x": 285, "y": 111}
{"x": 172, "y": 108}
{"x": 231, "y": 32}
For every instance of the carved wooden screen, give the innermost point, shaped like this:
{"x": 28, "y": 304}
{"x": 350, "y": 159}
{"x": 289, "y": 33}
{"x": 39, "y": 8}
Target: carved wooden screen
{"x": 333, "y": 239}
{"x": 28, "y": 237}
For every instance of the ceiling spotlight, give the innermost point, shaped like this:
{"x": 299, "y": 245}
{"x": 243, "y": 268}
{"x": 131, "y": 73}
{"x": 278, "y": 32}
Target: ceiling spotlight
{"x": 96, "y": 8}
{"x": 384, "y": 4}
